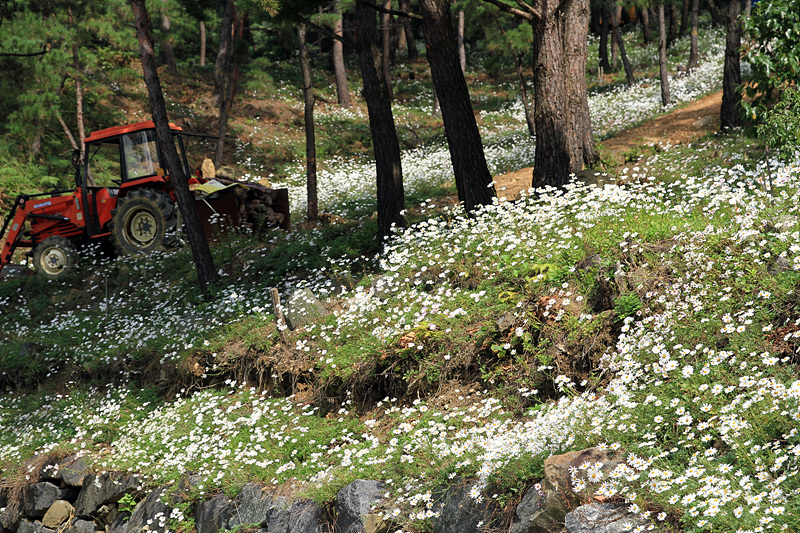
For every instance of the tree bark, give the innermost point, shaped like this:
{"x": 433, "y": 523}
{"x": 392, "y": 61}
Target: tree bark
{"x": 386, "y": 47}
{"x": 693, "y": 56}
{"x": 389, "y": 172}
{"x": 712, "y": 9}
{"x": 554, "y": 158}
{"x": 166, "y": 44}
{"x": 625, "y": 63}
{"x": 308, "y": 115}
{"x": 576, "y": 19}
{"x": 732, "y": 75}
{"x": 605, "y": 25}
{"x": 662, "y": 57}
{"x": 673, "y": 25}
{"x": 616, "y": 12}
{"x": 76, "y": 64}
{"x": 337, "y": 55}
{"x": 462, "y": 49}
{"x": 473, "y": 180}
{"x": 202, "y": 43}
{"x": 644, "y": 16}
{"x": 685, "y": 17}
{"x": 411, "y": 42}
{"x": 222, "y": 66}
{"x": 523, "y": 91}
{"x": 206, "y": 273}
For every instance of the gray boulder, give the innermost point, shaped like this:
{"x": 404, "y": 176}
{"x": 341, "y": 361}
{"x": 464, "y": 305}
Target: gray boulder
{"x": 211, "y": 515}
{"x": 304, "y": 517}
{"x": 301, "y": 308}
{"x": 10, "y": 517}
{"x": 250, "y": 507}
{"x": 39, "y": 497}
{"x": 602, "y": 518}
{"x": 106, "y": 488}
{"x": 461, "y": 513}
{"x": 353, "y": 502}
{"x": 26, "y": 526}
{"x": 185, "y": 485}
{"x": 81, "y": 526}
{"x": 73, "y": 470}
{"x": 151, "y": 512}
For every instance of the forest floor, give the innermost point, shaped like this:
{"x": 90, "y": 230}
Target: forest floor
{"x": 682, "y": 126}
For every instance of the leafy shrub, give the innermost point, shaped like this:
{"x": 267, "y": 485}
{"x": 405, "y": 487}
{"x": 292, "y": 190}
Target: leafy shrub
{"x": 781, "y": 126}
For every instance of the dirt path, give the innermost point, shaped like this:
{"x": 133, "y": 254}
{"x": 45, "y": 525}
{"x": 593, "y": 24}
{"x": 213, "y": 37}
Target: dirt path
{"x": 682, "y": 126}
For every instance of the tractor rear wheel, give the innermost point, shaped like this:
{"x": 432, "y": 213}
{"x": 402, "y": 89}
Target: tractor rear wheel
{"x": 142, "y": 221}
{"x": 54, "y": 257}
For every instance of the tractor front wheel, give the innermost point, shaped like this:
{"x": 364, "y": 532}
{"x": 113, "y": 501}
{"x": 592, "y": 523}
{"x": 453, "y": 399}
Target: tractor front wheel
{"x": 141, "y": 221}
{"x": 54, "y": 257}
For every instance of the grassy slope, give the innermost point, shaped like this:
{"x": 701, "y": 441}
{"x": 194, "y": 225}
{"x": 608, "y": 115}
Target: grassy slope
{"x": 657, "y": 318}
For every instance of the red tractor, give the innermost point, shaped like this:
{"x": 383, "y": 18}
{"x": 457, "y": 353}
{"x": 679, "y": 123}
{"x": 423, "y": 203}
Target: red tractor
{"x": 123, "y": 197}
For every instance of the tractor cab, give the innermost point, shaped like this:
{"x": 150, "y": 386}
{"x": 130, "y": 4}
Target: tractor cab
{"x": 120, "y": 160}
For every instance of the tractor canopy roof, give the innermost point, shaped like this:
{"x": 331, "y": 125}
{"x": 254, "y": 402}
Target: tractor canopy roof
{"x": 120, "y": 130}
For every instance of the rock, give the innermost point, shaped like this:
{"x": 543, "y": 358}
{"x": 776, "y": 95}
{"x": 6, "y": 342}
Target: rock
{"x": 250, "y": 507}
{"x": 374, "y": 523}
{"x": 69, "y": 493}
{"x": 781, "y": 264}
{"x": 10, "y": 517}
{"x": 210, "y": 515}
{"x": 506, "y": 322}
{"x": 278, "y": 516}
{"x": 353, "y": 502}
{"x": 120, "y": 524}
{"x": 595, "y": 177}
{"x": 557, "y": 477}
{"x": 26, "y": 526}
{"x": 58, "y": 514}
{"x": 81, "y": 526}
{"x": 39, "y": 497}
{"x": 150, "y": 512}
{"x": 602, "y": 518}
{"x": 301, "y": 308}
{"x": 185, "y": 485}
{"x": 102, "y": 489}
{"x": 461, "y": 513}
{"x": 73, "y": 470}
{"x": 543, "y": 509}
{"x": 305, "y": 517}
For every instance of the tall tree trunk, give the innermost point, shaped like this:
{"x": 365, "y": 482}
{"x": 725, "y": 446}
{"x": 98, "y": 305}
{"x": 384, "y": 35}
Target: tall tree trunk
{"x": 231, "y": 86}
{"x": 386, "y": 46}
{"x": 732, "y": 75}
{"x": 308, "y": 115}
{"x": 576, "y": 20}
{"x": 76, "y": 64}
{"x": 337, "y": 54}
{"x": 644, "y": 16}
{"x": 166, "y": 45}
{"x": 411, "y": 42}
{"x": 673, "y": 25}
{"x": 222, "y": 66}
{"x": 605, "y": 25}
{"x": 712, "y": 9}
{"x": 389, "y": 172}
{"x": 554, "y": 158}
{"x": 523, "y": 91}
{"x": 462, "y": 48}
{"x": 616, "y": 12}
{"x": 625, "y": 63}
{"x": 202, "y": 43}
{"x": 473, "y": 180}
{"x": 206, "y": 273}
{"x": 662, "y": 57}
{"x": 685, "y": 16}
{"x": 693, "y": 56}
